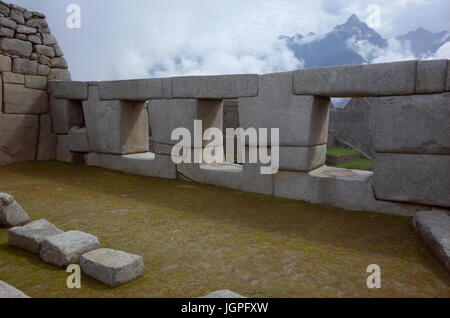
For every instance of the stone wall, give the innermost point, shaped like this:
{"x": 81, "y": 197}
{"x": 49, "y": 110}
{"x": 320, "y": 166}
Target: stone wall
{"x": 29, "y": 57}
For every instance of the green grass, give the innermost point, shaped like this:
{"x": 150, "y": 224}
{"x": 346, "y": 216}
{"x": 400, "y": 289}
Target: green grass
{"x": 341, "y": 151}
{"x": 359, "y": 164}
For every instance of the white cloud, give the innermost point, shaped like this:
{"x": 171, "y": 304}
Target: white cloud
{"x": 395, "y": 51}
{"x": 442, "y": 53}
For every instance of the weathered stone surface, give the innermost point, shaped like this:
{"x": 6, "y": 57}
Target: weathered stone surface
{"x": 412, "y": 124}
{"x": 112, "y": 267}
{"x": 37, "y": 23}
{"x": 66, "y": 114}
{"x": 11, "y": 213}
{"x": 58, "y": 62}
{"x": 69, "y": 89}
{"x": 17, "y": 16}
{"x": 45, "y": 50}
{"x": 34, "y": 38}
{"x": 21, "y": 100}
{"x": 78, "y": 140}
{"x": 5, "y": 32}
{"x": 23, "y": 37}
{"x": 4, "y": 10}
{"x": 5, "y": 63}
{"x": 38, "y": 82}
{"x": 27, "y": 15}
{"x": 7, "y": 291}
{"x": 24, "y": 66}
{"x": 43, "y": 70}
{"x": 116, "y": 127}
{"x": 387, "y": 79}
{"x": 167, "y": 88}
{"x": 225, "y": 293}
{"x": 17, "y": 8}
{"x": 18, "y": 138}
{"x": 431, "y": 76}
{"x": 29, "y": 237}
{"x": 142, "y": 164}
{"x": 48, "y": 39}
{"x": 16, "y": 47}
{"x": 25, "y": 29}
{"x": 223, "y": 86}
{"x": 38, "y": 14}
{"x": 134, "y": 90}
{"x": 302, "y": 120}
{"x": 415, "y": 178}
{"x": 447, "y": 82}
{"x": 302, "y": 158}
{"x": 434, "y": 228}
{"x": 47, "y": 140}
{"x": 66, "y": 248}
{"x": 58, "y": 51}
{"x": 92, "y": 159}
{"x": 63, "y": 152}
{"x": 44, "y": 60}
{"x": 341, "y": 188}
{"x": 59, "y": 74}
{"x": 13, "y": 78}
{"x": 8, "y": 23}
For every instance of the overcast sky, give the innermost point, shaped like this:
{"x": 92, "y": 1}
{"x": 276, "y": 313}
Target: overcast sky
{"x": 152, "y": 38}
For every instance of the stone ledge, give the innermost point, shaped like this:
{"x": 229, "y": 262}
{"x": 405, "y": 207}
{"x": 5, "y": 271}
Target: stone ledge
{"x": 131, "y": 90}
{"x": 69, "y": 89}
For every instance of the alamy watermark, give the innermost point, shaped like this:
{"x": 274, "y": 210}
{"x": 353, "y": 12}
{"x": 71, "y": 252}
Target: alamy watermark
{"x": 73, "y": 21}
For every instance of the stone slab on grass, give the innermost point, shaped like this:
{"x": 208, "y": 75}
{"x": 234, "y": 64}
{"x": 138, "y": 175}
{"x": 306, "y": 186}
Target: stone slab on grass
{"x": 7, "y": 291}
{"x": 29, "y": 237}
{"x": 11, "y": 213}
{"x": 112, "y": 267}
{"x": 66, "y": 248}
{"x": 224, "y": 293}
{"x": 434, "y": 228}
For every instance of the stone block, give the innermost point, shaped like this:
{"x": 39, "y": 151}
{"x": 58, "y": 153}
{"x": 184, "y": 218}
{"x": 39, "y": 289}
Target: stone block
{"x": 63, "y": 152}
{"x": 415, "y": 178}
{"x": 66, "y": 114}
{"x": 7, "y": 291}
{"x": 131, "y": 90}
{"x": 302, "y": 158}
{"x": 46, "y": 149}
{"x": 167, "y": 88}
{"x": 48, "y": 39}
{"x": 18, "y": 99}
{"x": 447, "y": 82}
{"x": 18, "y": 138}
{"x": 5, "y": 32}
{"x": 92, "y": 159}
{"x": 386, "y": 79}
{"x": 29, "y": 237}
{"x": 216, "y": 87}
{"x": 4, "y": 9}
{"x": 17, "y": 16}
{"x": 78, "y": 140}
{"x": 225, "y": 293}
{"x": 58, "y": 62}
{"x": 37, "y": 82}
{"x": 13, "y": 78}
{"x": 112, "y": 267}
{"x": 165, "y": 115}
{"x": 16, "y": 47}
{"x": 37, "y": 23}
{"x": 69, "y": 89}
{"x": 431, "y": 76}
{"x": 412, "y": 124}
{"x": 6, "y": 22}
{"x": 116, "y": 127}
{"x": 66, "y": 248}
{"x": 434, "y": 229}
{"x": 59, "y": 74}
{"x": 340, "y": 188}
{"x": 45, "y": 50}
{"x": 302, "y": 120}
{"x": 24, "y": 66}
{"x": 34, "y": 38}
{"x": 142, "y": 164}
{"x": 11, "y": 213}
{"x": 25, "y": 29}
{"x": 5, "y": 63}
{"x": 43, "y": 69}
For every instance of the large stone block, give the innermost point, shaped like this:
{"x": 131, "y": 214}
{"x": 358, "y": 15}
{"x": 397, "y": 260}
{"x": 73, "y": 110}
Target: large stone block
{"x": 5, "y": 63}
{"x": 422, "y": 179}
{"x": 24, "y": 66}
{"x": 302, "y": 120}
{"x": 220, "y": 87}
{"x": 37, "y": 82}
{"x": 112, "y": 267}
{"x": 13, "y": 78}
{"x": 142, "y": 164}
{"x": 412, "y": 124}
{"x": 66, "y": 248}
{"x": 18, "y": 138}
{"x": 69, "y": 89}
{"x": 21, "y": 100}
{"x": 431, "y": 76}
{"x": 66, "y": 114}
{"x": 302, "y": 158}
{"x": 132, "y": 90}
{"x": 340, "y": 188}
{"x": 387, "y": 79}
{"x": 59, "y": 74}
{"x": 29, "y": 237}
{"x": 46, "y": 149}
{"x": 11, "y": 213}
{"x": 7, "y": 291}
{"x": 16, "y": 47}
{"x": 165, "y": 115}
{"x": 78, "y": 140}
{"x": 63, "y": 152}
{"x": 116, "y": 127}
{"x": 447, "y": 82}
{"x": 434, "y": 228}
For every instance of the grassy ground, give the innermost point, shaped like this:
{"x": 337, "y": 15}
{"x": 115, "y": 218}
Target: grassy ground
{"x": 341, "y": 151}
{"x": 359, "y": 164}
{"x": 197, "y": 238}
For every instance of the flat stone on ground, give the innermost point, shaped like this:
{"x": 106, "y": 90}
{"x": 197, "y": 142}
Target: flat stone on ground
{"x": 29, "y": 237}
{"x": 112, "y": 267}
{"x": 11, "y": 213}
{"x": 7, "y": 291}
{"x": 66, "y": 248}
{"x": 224, "y": 293}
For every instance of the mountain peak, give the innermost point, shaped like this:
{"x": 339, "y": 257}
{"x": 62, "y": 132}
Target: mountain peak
{"x": 353, "y": 19}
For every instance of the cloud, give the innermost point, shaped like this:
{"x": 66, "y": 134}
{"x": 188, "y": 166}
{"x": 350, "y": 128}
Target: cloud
{"x": 395, "y": 51}
{"x": 442, "y": 53}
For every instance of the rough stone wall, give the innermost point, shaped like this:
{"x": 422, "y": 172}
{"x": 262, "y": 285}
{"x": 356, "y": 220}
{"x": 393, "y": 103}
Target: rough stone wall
{"x": 29, "y": 57}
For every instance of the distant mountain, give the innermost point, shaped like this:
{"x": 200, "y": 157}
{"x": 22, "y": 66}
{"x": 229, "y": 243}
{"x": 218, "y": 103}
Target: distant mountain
{"x": 334, "y": 47}
{"x": 423, "y": 42}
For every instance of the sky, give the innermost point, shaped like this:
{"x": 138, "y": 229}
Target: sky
{"x": 157, "y": 38}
